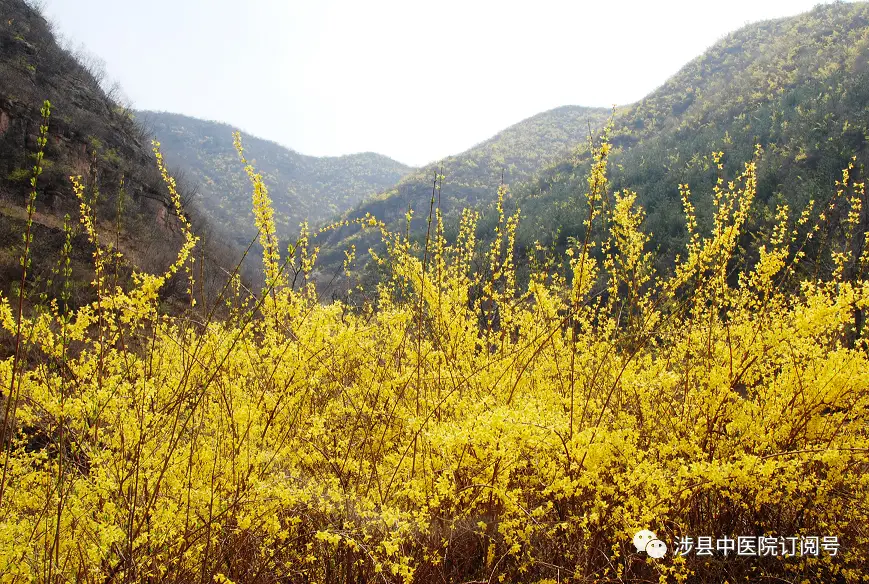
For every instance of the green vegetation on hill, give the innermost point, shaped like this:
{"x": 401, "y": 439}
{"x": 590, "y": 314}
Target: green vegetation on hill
{"x": 797, "y": 86}
{"x": 301, "y": 187}
{"x": 472, "y": 177}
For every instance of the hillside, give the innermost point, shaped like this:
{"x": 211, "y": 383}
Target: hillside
{"x": 472, "y": 177}
{"x": 89, "y": 135}
{"x": 797, "y": 86}
{"x": 301, "y": 187}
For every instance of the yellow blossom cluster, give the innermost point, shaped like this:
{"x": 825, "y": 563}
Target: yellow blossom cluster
{"x": 464, "y": 424}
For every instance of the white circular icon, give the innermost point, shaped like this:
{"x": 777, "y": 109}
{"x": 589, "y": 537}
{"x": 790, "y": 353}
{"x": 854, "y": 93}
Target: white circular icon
{"x": 656, "y": 549}
{"x": 642, "y": 539}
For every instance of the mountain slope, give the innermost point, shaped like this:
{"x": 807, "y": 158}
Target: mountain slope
{"x": 301, "y": 187}
{"x": 88, "y": 135}
{"x": 472, "y": 177}
{"x": 797, "y": 86}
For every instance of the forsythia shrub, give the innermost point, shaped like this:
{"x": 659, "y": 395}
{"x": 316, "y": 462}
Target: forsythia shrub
{"x": 461, "y": 426}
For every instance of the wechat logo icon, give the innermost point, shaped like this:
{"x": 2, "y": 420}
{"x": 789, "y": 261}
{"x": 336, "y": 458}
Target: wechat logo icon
{"x": 647, "y": 541}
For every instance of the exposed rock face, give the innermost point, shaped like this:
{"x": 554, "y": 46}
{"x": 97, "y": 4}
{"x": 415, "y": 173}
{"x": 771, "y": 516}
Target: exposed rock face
{"x": 89, "y": 136}
{"x": 84, "y": 122}
{"x": 86, "y": 127}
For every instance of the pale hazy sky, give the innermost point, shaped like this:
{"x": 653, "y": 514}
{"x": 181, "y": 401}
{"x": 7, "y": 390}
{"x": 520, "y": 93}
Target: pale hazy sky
{"x": 415, "y": 80}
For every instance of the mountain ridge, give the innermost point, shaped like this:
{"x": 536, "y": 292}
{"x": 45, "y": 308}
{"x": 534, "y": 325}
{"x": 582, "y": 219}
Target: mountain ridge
{"x": 515, "y": 153}
{"x": 798, "y": 86}
{"x": 254, "y": 136}
{"x": 302, "y": 187}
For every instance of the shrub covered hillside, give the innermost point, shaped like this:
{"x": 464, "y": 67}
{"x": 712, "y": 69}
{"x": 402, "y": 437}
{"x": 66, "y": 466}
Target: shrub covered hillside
{"x": 798, "y": 86}
{"x": 457, "y": 426}
{"x": 304, "y": 188}
{"x": 472, "y": 177}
